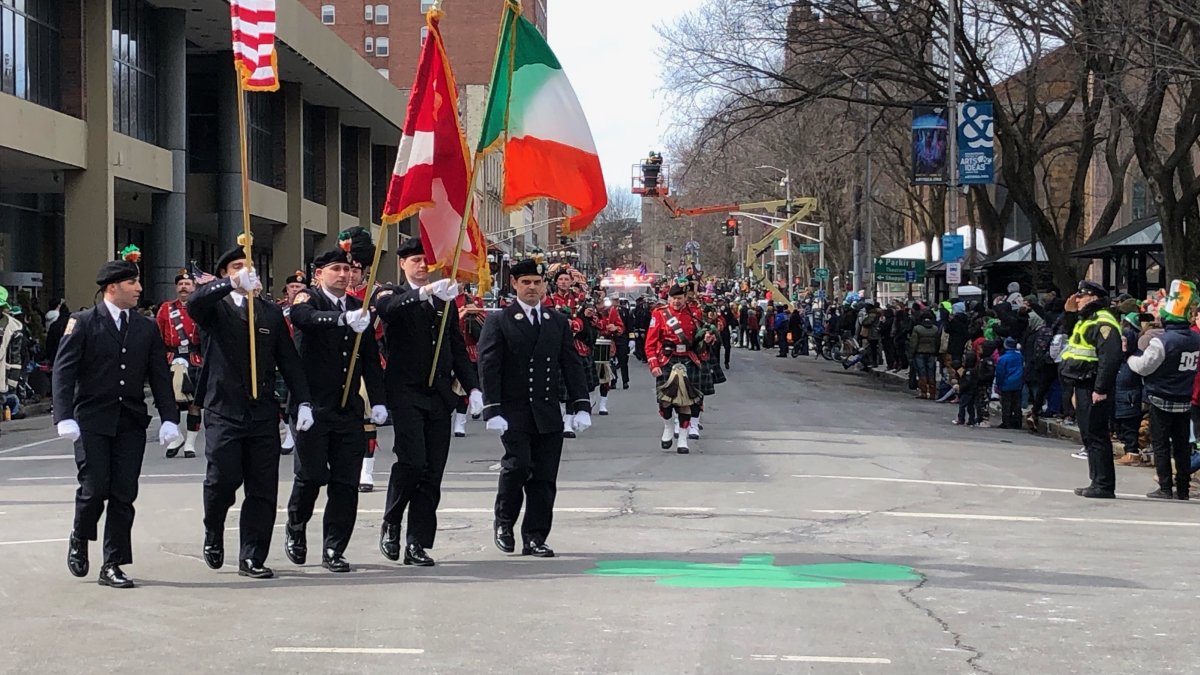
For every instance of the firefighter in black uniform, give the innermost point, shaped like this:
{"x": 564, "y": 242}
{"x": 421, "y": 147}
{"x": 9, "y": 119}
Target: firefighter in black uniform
{"x": 421, "y": 415}
{"x": 524, "y": 353}
{"x": 106, "y": 357}
{"x": 241, "y": 433}
{"x": 330, "y": 454}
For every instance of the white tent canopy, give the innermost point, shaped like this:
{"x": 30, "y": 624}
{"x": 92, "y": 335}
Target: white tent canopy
{"x": 917, "y": 251}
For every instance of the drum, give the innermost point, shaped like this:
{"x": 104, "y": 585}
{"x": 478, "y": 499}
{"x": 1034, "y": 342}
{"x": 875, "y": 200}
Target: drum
{"x": 602, "y": 352}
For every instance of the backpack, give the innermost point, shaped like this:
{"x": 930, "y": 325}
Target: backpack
{"x": 1042, "y": 340}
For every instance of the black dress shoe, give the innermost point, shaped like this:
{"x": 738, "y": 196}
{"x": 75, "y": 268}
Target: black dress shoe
{"x": 254, "y": 570}
{"x": 537, "y": 549}
{"x": 171, "y": 452}
{"x": 214, "y": 550}
{"x": 1094, "y": 493}
{"x": 414, "y": 554}
{"x": 334, "y": 562}
{"x": 681, "y": 450}
{"x": 365, "y": 487}
{"x": 77, "y": 555}
{"x": 624, "y": 385}
{"x": 568, "y": 434}
{"x": 295, "y": 545}
{"x": 505, "y": 541}
{"x": 113, "y": 577}
{"x": 1162, "y": 493}
{"x": 389, "y": 541}
{"x": 1182, "y": 496}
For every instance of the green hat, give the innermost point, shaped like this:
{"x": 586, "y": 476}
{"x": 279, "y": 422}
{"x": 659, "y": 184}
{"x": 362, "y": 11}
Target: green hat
{"x": 15, "y": 310}
{"x": 1180, "y": 300}
{"x": 1133, "y": 319}
{"x": 3, "y": 297}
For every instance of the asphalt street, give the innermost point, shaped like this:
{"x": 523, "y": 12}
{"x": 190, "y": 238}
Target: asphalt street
{"x": 826, "y": 522}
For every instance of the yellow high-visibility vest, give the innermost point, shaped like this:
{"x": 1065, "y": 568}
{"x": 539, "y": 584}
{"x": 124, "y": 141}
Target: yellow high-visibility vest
{"x": 1077, "y": 348}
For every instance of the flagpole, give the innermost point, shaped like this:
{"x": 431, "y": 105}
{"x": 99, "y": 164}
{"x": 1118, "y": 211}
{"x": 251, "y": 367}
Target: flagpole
{"x": 366, "y": 306}
{"x": 246, "y": 236}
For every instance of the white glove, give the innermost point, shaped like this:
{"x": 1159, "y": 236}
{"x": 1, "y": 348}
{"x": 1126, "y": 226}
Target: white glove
{"x": 633, "y": 345}
{"x": 179, "y": 361}
{"x": 475, "y": 402}
{"x": 304, "y": 418}
{"x": 446, "y": 289}
{"x": 357, "y": 319}
{"x": 68, "y": 429}
{"x": 378, "y": 414}
{"x": 581, "y": 421}
{"x": 497, "y": 423}
{"x": 246, "y": 279}
{"x": 168, "y": 433}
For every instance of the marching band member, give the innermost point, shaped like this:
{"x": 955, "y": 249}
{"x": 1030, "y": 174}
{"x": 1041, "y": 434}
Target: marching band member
{"x": 182, "y": 338}
{"x": 671, "y": 344}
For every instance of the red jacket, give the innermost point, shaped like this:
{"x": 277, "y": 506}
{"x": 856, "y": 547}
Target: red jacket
{"x": 661, "y": 339}
{"x": 170, "y": 331}
{"x": 611, "y": 317}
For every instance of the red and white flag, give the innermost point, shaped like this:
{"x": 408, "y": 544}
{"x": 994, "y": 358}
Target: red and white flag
{"x": 432, "y": 172}
{"x": 254, "y": 44}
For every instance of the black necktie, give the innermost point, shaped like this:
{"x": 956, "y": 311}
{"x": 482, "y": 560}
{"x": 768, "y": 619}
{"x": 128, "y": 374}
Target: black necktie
{"x": 123, "y": 324}
{"x": 533, "y": 316}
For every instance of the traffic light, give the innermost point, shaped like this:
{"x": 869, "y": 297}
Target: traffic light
{"x": 731, "y": 227}
{"x": 668, "y": 248}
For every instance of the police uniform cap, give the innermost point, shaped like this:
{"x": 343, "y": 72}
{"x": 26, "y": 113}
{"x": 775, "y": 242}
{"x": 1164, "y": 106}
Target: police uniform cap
{"x": 231, "y": 256}
{"x": 1093, "y": 288}
{"x": 525, "y": 268}
{"x": 410, "y": 247}
{"x": 333, "y": 256}
{"x": 116, "y": 271}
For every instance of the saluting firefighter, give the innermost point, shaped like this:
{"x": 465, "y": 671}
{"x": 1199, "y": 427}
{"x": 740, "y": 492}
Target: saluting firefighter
{"x": 330, "y": 453}
{"x": 241, "y": 437}
{"x": 672, "y": 342}
{"x": 421, "y": 414}
{"x": 471, "y": 316}
{"x": 182, "y": 338}
{"x": 292, "y": 285}
{"x": 106, "y": 357}
{"x": 526, "y": 356}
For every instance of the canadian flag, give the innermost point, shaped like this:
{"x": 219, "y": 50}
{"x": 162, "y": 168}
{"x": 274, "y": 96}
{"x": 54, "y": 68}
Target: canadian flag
{"x": 432, "y": 172}
{"x": 254, "y": 44}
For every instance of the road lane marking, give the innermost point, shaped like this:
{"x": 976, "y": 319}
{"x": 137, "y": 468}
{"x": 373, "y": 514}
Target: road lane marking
{"x": 863, "y": 660}
{"x": 345, "y": 650}
{"x": 684, "y": 508}
{"x": 1119, "y": 521}
{"x": 147, "y": 475}
{"x": 34, "y": 458}
{"x": 32, "y": 541}
{"x": 27, "y": 446}
{"x": 951, "y": 483}
{"x": 1018, "y": 519}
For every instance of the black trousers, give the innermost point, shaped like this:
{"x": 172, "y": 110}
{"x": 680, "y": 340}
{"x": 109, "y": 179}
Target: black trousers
{"x": 781, "y": 338}
{"x": 640, "y": 347}
{"x": 1039, "y": 386}
{"x": 328, "y": 455}
{"x": 623, "y": 358}
{"x": 1093, "y": 419}
{"x": 422, "y": 447}
{"x": 753, "y": 337}
{"x": 242, "y": 455}
{"x": 1010, "y": 409}
{"x": 109, "y": 467}
{"x": 726, "y": 344}
{"x": 529, "y": 473}
{"x": 1169, "y": 435}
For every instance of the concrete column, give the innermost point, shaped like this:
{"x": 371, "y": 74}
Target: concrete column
{"x": 166, "y": 238}
{"x": 288, "y": 246}
{"x": 88, "y": 198}
{"x": 333, "y": 176}
{"x": 229, "y": 162}
{"x": 365, "y": 217}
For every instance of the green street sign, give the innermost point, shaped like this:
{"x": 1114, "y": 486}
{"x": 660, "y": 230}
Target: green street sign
{"x": 821, "y": 273}
{"x": 810, "y": 248}
{"x": 898, "y": 270}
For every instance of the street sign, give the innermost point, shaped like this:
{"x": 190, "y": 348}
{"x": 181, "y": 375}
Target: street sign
{"x": 896, "y": 270}
{"x": 953, "y": 247}
{"x": 910, "y": 276}
{"x": 810, "y": 248}
{"x": 954, "y": 273}
{"x": 821, "y": 273}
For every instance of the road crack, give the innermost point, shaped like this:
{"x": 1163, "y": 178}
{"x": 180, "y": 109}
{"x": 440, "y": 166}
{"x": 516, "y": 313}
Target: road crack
{"x": 975, "y": 654}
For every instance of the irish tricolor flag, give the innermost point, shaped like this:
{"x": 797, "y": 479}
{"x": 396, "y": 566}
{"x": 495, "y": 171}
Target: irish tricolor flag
{"x": 534, "y": 115}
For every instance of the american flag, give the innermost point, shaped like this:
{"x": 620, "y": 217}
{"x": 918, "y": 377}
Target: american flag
{"x": 254, "y": 43}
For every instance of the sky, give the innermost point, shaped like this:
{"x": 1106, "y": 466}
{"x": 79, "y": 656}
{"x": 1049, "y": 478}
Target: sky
{"x": 608, "y": 50}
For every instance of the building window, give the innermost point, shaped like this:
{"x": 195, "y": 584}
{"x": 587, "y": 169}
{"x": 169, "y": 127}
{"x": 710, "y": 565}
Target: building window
{"x": 382, "y": 46}
{"x": 381, "y": 15}
{"x": 202, "y": 124}
{"x": 369, "y": 45}
{"x": 384, "y": 72}
{"x": 314, "y": 153}
{"x": 369, "y": 13}
{"x": 260, "y": 138}
{"x": 426, "y": 5}
{"x": 135, "y": 62}
{"x": 349, "y": 161}
{"x": 328, "y": 14}
{"x": 29, "y": 51}
{"x": 424, "y": 34}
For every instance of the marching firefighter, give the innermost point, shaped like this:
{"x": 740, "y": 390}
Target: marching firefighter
{"x": 181, "y": 336}
{"x": 671, "y": 343}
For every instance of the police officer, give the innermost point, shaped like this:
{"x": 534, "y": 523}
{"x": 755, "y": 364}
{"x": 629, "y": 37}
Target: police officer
{"x": 241, "y": 436}
{"x": 421, "y": 414}
{"x": 330, "y": 453}
{"x": 525, "y": 352}
{"x": 1090, "y": 362}
{"x": 106, "y": 357}
{"x": 1168, "y": 366}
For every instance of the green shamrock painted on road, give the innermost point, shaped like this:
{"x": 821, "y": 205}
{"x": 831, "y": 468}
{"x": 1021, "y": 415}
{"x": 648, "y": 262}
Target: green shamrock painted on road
{"x": 754, "y": 571}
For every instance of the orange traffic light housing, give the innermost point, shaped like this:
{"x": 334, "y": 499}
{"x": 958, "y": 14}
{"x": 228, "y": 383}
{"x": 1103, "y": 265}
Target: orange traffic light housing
{"x": 731, "y": 227}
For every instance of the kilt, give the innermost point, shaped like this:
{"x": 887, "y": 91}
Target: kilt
{"x": 590, "y": 375}
{"x": 718, "y": 373}
{"x": 700, "y": 377}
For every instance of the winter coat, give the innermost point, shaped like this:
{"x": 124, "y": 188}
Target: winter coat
{"x": 986, "y": 373}
{"x": 926, "y": 338}
{"x": 1010, "y": 371}
{"x": 956, "y": 329}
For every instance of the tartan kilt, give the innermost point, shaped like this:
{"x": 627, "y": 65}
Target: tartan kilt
{"x": 718, "y": 373}
{"x": 699, "y": 377}
{"x": 590, "y": 375}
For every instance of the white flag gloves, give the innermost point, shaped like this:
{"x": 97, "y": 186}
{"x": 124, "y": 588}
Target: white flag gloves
{"x": 378, "y": 414}
{"x": 304, "y": 417}
{"x": 581, "y": 421}
{"x": 358, "y": 319}
{"x": 69, "y": 430}
{"x": 633, "y": 345}
{"x": 475, "y": 403}
{"x": 168, "y": 433}
{"x": 246, "y": 280}
{"x": 497, "y": 423}
{"x": 446, "y": 289}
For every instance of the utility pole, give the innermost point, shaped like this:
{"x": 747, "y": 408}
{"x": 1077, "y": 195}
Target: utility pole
{"x": 787, "y": 211}
{"x": 952, "y": 117}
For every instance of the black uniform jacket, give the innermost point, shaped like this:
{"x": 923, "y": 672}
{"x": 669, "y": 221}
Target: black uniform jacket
{"x": 325, "y": 349}
{"x": 224, "y": 386}
{"x": 523, "y": 368}
{"x": 410, "y": 333}
{"x": 96, "y": 375}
